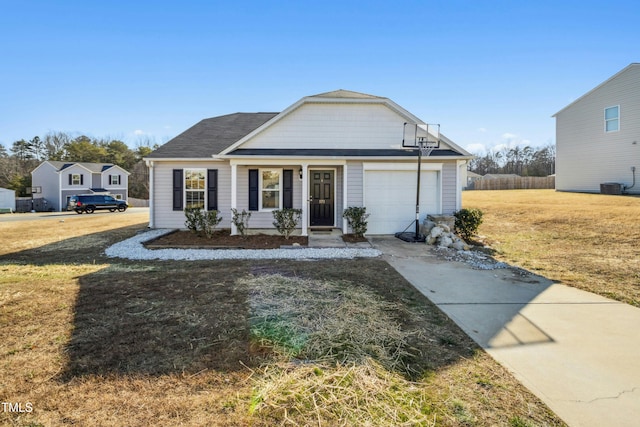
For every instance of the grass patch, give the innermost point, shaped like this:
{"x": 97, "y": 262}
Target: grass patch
{"x": 588, "y": 241}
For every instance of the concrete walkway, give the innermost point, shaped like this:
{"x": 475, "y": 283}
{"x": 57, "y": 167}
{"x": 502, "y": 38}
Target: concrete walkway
{"x": 578, "y": 352}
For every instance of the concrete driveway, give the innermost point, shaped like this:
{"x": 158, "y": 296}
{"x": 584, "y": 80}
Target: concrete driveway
{"x": 578, "y": 352}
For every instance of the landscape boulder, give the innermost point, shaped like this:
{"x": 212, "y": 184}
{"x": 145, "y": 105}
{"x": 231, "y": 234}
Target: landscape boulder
{"x": 438, "y": 230}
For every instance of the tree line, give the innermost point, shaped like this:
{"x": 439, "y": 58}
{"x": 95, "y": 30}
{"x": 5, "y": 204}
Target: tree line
{"x": 17, "y": 161}
{"x": 523, "y": 161}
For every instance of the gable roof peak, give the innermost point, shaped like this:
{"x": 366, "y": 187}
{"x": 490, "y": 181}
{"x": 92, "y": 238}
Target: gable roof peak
{"x": 624, "y": 70}
{"x": 342, "y": 93}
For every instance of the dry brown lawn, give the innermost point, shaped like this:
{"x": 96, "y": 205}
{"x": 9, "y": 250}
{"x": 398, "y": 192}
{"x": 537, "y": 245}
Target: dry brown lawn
{"x": 589, "y": 241}
{"x": 90, "y": 341}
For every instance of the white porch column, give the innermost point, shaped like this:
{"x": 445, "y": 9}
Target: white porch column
{"x": 305, "y": 199}
{"x": 345, "y": 199}
{"x": 152, "y": 210}
{"x": 234, "y": 194}
{"x": 461, "y": 178}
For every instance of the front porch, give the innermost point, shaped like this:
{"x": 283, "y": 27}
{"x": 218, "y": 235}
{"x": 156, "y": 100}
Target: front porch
{"x": 317, "y": 187}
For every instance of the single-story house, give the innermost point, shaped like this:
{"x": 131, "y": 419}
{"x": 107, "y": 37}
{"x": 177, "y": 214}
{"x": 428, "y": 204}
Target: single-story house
{"x": 322, "y": 154}
{"x": 598, "y": 137}
{"x": 57, "y": 181}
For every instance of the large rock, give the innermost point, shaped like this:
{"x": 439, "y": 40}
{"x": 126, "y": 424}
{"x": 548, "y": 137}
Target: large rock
{"x": 436, "y": 232}
{"x": 445, "y": 240}
{"x": 448, "y": 220}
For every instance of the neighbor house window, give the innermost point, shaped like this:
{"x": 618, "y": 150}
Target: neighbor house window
{"x": 76, "y": 179}
{"x": 114, "y": 179}
{"x": 270, "y": 194}
{"x": 194, "y": 188}
{"x": 612, "y": 119}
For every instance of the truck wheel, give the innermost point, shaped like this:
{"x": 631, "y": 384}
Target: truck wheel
{"x": 89, "y": 209}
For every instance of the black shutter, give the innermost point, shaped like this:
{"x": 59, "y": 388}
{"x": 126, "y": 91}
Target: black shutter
{"x": 119, "y": 180}
{"x": 212, "y": 189}
{"x": 177, "y": 189}
{"x": 81, "y": 179}
{"x": 70, "y": 179}
{"x": 287, "y": 189}
{"x": 253, "y": 189}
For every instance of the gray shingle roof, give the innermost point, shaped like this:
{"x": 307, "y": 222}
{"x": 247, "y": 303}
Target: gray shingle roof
{"x": 93, "y": 167}
{"x": 211, "y": 136}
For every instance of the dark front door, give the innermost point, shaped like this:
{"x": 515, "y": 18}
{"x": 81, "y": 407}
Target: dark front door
{"x": 321, "y": 198}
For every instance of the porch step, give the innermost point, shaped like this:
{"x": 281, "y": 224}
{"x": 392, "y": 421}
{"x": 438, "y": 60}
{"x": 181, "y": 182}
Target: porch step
{"x": 325, "y": 238}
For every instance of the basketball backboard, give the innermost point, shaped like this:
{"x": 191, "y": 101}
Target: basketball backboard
{"x": 421, "y": 135}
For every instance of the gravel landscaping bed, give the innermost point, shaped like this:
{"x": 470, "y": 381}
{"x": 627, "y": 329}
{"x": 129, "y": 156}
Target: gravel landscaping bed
{"x": 134, "y": 249}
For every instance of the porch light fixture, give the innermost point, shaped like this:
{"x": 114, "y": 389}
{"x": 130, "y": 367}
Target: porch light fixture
{"x": 300, "y": 174}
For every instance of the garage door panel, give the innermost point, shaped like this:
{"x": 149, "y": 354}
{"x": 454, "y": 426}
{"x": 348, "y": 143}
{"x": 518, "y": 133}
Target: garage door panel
{"x": 390, "y": 199}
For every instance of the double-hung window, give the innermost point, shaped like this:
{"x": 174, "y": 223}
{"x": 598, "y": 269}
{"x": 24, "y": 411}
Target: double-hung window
{"x": 612, "y": 119}
{"x": 114, "y": 179}
{"x": 76, "y": 179}
{"x": 270, "y": 185}
{"x": 194, "y": 188}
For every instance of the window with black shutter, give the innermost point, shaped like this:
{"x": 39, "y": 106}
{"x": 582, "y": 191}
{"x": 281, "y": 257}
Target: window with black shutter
{"x": 253, "y": 189}
{"x": 287, "y": 188}
{"x": 177, "y": 189}
{"x": 212, "y": 189}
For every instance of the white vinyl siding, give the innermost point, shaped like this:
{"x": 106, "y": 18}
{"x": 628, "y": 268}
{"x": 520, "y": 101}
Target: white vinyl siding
{"x": 354, "y": 182}
{"x": 449, "y": 187}
{"x": 336, "y": 126}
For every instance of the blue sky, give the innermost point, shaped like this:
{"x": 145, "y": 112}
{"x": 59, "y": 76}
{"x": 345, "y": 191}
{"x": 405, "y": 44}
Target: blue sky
{"x": 491, "y": 73}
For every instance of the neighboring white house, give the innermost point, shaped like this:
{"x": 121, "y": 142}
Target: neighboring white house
{"x": 7, "y": 199}
{"x": 57, "y": 181}
{"x": 322, "y": 154}
{"x": 598, "y": 136}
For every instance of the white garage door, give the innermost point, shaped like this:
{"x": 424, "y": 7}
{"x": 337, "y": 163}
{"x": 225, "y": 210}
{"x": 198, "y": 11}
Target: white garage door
{"x": 390, "y": 199}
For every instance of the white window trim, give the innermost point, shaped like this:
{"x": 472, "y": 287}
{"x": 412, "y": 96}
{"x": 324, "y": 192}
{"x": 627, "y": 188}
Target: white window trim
{"x": 608, "y": 120}
{"x": 185, "y": 189}
{"x": 73, "y": 178}
{"x": 118, "y": 177}
{"x": 261, "y": 189}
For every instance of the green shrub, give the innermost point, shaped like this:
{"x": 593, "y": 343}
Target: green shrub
{"x": 211, "y": 219}
{"x": 357, "y": 219}
{"x": 467, "y": 222}
{"x": 286, "y": 220}
{"x": 195, "y": 219}
{"x": 199, "y": 221}
{"x": 241, "y": 220}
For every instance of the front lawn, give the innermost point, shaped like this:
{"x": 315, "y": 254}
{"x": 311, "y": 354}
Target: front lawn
{"x": 88, "y": 340}
{"x": 589, "y": 241}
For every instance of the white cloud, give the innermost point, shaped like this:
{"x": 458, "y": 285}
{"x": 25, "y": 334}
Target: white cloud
{"x": 476, "y": 148}
{"x": 482, "y": 130}
{"x": 138, "y": 132}
{"x": 508, "y": 135}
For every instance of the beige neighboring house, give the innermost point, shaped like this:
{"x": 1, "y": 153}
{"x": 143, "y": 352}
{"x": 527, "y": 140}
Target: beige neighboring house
{"x": 322, "y": 154}
{"x": 57, "y": 181}
{"x": 598, "y": 137}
